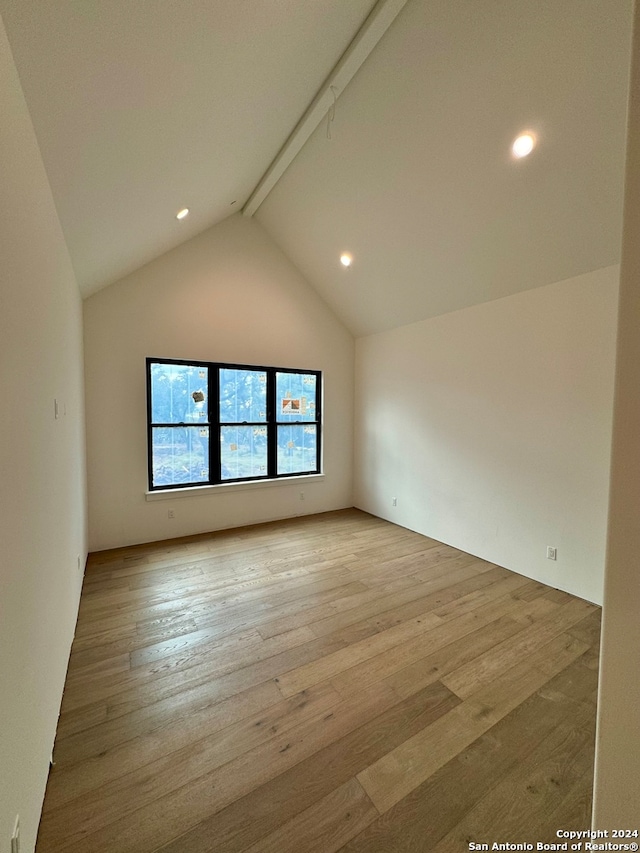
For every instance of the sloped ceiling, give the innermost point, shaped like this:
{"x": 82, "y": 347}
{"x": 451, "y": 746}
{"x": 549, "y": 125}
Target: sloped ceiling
{"x": 142, "y": 107}
{"x": 417, "y": 181}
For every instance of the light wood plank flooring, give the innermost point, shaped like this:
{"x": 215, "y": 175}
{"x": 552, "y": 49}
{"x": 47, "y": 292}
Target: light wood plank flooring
{"x": 328, "y": 683}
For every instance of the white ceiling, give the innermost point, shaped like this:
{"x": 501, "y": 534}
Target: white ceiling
{"x": 143, "y": 106}
{"x": 417, "y": 181}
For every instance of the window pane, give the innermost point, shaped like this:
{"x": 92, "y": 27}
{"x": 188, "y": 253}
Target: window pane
{"x": 179, "y": 393}
{"x": 243, "y": 396}
{"x": 243, "y": 452}
{"x": 297, "y": 449}
{"x": 180, "y": 455}
{"x": 296, "y": 396}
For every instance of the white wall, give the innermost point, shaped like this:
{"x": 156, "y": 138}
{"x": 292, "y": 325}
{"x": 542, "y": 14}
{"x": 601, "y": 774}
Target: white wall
{"x": 42, "y": 499}
{"x": 491, "y": 426}
{"x": 617, "y": 780}
{"x": 228, "y": 295}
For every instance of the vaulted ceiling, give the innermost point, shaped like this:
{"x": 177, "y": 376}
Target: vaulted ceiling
{"x": 142, "y": 107}
{"x": 418, "y": 183}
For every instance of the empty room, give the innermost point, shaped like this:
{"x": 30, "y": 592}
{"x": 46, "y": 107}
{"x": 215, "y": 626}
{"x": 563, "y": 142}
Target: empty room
{"x": 320, "y": 355}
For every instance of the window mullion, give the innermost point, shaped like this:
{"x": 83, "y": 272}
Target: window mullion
{"x": 272, "y": 440}
{"x": 214, "y": 424}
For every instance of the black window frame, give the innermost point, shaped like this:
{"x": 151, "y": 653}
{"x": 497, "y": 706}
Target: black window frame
{"x": 215, "y": 425}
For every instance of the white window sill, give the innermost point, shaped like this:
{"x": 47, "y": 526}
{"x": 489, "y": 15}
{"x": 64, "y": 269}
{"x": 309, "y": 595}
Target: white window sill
{"x": 220, "y": 488}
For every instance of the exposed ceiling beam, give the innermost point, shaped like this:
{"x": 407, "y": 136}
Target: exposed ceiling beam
{"x": 378, "y": 22}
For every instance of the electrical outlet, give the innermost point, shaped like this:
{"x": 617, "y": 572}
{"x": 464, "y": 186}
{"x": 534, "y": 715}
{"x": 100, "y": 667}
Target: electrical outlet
{"x": 15, "y": 836}
{"x": 394, "y": 501}
{"x": 170, "y": 513}
{"x": 79, "y": 563}
{"x": 301, "y": 496}
{"x": 552, "y": 553}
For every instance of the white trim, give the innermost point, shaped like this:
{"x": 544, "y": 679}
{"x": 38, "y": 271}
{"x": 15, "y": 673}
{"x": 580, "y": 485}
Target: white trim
{"x": 219, "y": 488}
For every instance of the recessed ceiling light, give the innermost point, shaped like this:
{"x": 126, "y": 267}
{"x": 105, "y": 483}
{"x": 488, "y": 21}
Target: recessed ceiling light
{"x": 181, "y": 214}
{"x": 523, "y": 145}
{"x": 346, "y": 260}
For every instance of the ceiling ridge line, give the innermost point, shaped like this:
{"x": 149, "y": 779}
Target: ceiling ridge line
{"x": 375, "y": 26}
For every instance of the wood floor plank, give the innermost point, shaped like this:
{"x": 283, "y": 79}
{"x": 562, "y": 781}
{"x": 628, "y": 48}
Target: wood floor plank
{"x": 387, "y": 663}
{"x": 330, "y": 665}
{"x": 409, "y": 677}
{"x": 394, "y": 608}
{"x": 574, "y": 810}
{"x": 588, "y": 629}
{"x": 201, "y": 603}
{"x": 196, "y": 685}
{"x": 421, "y": 565}
{"x": 178, "y": 645}
{"x": 212, "y": 591}
{"x": 116, "y": 668}
{"x": 452, "y": 629}
{"x": 483, "y": 589}
{"x": 182, "y": 634}
{"x": 308, "y": 782}
{"x": 179, "y": 765}
{"x": 120, "y": 728}
{"x": 534, "y": 609}
{"x": 145, "y": 737}
{"x": 471, "y": 676}
{"x": 537, "y": 787}
{"x": 406, "y": 767}
{"x": 578, "y": 681}
{"x": 422, "y": 818}
{"x": 177, "y": 811}
{"x": 325, "y": 683}
{"x": 81, "y": 719}
{"x": 257, "y": 614}
{"x": 533, "y": 590}
{"x": 124, "y": 639}
{"x": 325, "y": 826}
{"x": 219, "y": 658}
{"x": 347, "y": 602}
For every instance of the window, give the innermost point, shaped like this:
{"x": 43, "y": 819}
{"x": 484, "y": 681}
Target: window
{"x": 223, "y": 423}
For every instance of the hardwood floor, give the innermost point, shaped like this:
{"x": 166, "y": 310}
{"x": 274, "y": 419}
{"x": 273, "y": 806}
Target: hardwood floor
{"x": 329, "y": 683}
